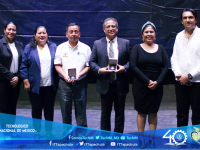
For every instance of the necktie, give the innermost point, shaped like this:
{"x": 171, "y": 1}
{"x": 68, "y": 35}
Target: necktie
{"x": 111, "y": 55}
{"x": 111, "y": 52}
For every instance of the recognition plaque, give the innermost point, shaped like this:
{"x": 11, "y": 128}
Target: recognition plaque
{"x": 112, "y": 64}
{"x": 72, "y": 73}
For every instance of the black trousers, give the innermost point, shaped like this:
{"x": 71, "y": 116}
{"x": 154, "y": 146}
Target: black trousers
{"x": 76, "y": 92}
{"x": 106, "y": 107}
{"x": 44, "y": 100}
{"x": 8, "y": 102}
{"x": 8, "y": 97}
{"x": 187, "y": 96}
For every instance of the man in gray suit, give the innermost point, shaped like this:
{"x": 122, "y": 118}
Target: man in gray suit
{"x": 111, "y": 85}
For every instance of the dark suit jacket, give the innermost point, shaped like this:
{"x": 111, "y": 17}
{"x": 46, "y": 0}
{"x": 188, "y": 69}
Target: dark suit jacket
{"x": 99, "y": 59}
{"x": 30, "y": 67}
{"x": 6, "y": 59}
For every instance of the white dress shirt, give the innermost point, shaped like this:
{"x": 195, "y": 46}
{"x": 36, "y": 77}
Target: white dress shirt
{"x": 45, "y": 66}
{"x": 15, "y": 59}
{"x": 115, "y": 47}
{"x": 77, "y": 57}
{"x": 186, "y": 55}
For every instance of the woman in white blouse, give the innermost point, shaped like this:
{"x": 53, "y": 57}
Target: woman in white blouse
{"x": 38, "y": 73}
{"x": 10, "y": 60}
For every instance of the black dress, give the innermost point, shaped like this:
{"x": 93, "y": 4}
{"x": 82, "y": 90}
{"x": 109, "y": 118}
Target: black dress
{"x": 148, "y": 66}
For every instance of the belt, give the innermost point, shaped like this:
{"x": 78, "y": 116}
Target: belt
{"x": 113, "y": 82}
{"x": 15, "y": 74}
{"x": 73, "y": 83}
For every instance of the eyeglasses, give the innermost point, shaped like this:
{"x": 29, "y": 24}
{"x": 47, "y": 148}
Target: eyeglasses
{"x": 113, "y": 26}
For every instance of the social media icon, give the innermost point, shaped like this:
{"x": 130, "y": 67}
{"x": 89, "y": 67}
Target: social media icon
{"x": 123, "y": 137}
{"x": 81, "y": 143}
{"x": 97, "y": 137}
{"x": 112, "y": 143}
{"x": 50, "y": 142}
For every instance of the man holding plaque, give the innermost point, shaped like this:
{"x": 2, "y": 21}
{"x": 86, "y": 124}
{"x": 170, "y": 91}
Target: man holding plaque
{"x": 110, "y": 61}
{"x": 185, "y": 62}
{"x": 72, "y": 64}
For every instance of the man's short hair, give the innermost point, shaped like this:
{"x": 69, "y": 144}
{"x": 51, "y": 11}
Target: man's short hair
{"x": 73, "y": 24}
{"x": 191, "y": 10}
{"x": 110, "y": 18}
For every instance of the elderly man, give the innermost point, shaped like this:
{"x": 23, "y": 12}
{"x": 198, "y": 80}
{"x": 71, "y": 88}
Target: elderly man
{"x": 111, "y": 85}
{"x": 72, "y": 58}
{"x": 185, "y": 63}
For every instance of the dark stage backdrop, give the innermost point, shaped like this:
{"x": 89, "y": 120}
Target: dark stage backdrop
{"x": 89, "y": 14}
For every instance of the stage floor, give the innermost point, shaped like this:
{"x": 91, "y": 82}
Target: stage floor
{"x": 166, "y": 114}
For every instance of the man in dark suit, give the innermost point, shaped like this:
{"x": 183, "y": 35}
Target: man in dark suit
{"x": 111, "y": 85}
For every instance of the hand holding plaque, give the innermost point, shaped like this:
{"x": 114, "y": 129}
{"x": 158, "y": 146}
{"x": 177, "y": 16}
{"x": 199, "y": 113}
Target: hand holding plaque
{"x": 112, "y": 64}
{"x": 72, "y": 73}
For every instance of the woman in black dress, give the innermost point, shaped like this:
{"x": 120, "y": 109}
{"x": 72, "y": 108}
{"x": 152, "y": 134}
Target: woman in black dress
{"x": 149, "y": 63}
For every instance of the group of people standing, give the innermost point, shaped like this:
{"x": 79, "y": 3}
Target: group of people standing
{"x": 43, "y": 67}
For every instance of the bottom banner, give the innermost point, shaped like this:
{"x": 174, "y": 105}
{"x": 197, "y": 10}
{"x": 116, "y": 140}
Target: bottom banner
{"x": 19, "y": 132}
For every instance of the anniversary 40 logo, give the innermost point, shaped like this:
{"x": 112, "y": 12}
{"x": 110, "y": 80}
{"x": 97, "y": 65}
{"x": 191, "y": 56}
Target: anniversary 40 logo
{"x": 196, "y": 135}
{"x": 178, "y": 137}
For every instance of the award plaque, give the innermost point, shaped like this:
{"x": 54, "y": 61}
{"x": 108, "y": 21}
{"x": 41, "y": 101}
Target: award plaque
{"x": 112, "y": 64}
{"x": 72, "y": 73}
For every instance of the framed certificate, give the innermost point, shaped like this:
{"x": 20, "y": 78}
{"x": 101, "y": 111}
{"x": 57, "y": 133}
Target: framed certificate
{"x": 72, "y": 73}
{"x": 112, "y": 64}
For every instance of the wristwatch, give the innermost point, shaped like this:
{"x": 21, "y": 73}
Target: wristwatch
{"x": 190, "y": 76}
